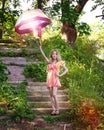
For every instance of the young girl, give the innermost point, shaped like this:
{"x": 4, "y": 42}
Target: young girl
{"x": 53, "y": 74}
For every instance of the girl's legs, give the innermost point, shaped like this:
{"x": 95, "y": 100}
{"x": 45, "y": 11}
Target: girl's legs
{"x": 52, "y": 99}
{"x": 54, "y": 94}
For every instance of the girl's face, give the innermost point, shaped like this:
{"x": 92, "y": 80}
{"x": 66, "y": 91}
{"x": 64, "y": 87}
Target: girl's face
{"x": 54, "y": 55}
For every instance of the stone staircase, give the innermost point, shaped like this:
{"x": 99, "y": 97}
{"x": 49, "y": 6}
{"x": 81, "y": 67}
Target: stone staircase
{"x": 39, "y": 99}
{"x": 38, "y": 95}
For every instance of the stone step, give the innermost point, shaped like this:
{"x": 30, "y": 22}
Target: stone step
{"x": 46, "y": 104}
{"x": 32, "y": 84}
{"x": 49, "y": 110}
{"x": 40, "y": 85}
{"x": 44, "y": 92}
{"x": 41, "y": 88}
{"x": 15, "y": 83}
{"x": 19, "y": 51}
{"x": 47, "y": 98}
{"x": 19, "y": 61}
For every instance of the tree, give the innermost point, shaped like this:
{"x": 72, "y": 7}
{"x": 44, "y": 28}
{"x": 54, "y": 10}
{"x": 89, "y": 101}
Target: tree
{"x": 8, "y": 15}
{"x": 70, "y": 10}
{"x": 68, "y": 27}
{"x": 69, "y": 16}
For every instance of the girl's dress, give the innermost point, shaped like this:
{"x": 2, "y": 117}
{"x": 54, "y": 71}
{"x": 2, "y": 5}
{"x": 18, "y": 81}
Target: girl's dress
{"x": 52, "y": 70}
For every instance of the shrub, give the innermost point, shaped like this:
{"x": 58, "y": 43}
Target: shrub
{"x": 36, "y": 71}
{"x": 16, "y": 99}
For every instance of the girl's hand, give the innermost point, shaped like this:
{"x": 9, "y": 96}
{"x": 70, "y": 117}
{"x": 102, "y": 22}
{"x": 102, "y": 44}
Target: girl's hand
{"x": 58, "y": 75}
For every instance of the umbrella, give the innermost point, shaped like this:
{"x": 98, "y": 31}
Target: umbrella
{"x": 32, "y": 21}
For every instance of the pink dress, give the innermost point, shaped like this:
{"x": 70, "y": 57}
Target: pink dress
{"x": 52, "y": 70}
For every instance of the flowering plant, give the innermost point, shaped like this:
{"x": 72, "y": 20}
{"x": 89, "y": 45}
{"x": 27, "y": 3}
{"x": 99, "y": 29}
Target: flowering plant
{"x": 89, "y": 113}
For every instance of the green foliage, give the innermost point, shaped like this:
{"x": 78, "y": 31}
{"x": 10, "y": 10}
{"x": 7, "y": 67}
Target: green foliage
{"x": 3, "y": 77}
{"x": 8, "y": 17}
{"x": 83, "y": 28}
{"x": 29, "y": 54}
{"x": 55, "y": 10}
{"x": 67, "y": 116}
{"x": 97, "y": 35}
{"x": 11, "y": 54}
{"x": 36, "y": 71}
{"x": 2, "y": 111}
{"x": 49, "y": 118}
{"x": 16, "y": 99}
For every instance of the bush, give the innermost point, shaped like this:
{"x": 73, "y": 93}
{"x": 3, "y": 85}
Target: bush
{"x": 16, "y": 99}
{"x": 36, "y": 71}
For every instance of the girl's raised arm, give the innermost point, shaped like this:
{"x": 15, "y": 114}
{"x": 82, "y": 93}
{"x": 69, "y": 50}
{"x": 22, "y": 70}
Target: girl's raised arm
{"x": 40, "y": 47}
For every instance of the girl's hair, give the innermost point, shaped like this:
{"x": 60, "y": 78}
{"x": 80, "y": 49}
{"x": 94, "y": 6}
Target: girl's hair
{"x": 58, "y": 55}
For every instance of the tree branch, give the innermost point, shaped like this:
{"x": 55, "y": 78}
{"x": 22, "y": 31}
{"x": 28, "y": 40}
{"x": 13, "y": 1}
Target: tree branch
{"x": 81, "y": 5}
{"x": 99, "y": 16}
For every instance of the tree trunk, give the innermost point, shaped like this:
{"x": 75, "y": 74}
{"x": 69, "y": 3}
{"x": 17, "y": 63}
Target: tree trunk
{"x": 68, "y": 33}
{"x": 81, "y": 5}
{"x": 68, "y": 30}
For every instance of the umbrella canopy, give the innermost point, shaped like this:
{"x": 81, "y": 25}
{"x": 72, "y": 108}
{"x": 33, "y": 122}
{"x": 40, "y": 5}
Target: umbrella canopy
{"x": 32, "y": 21}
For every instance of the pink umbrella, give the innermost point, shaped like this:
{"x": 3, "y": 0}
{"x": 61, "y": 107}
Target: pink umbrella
{"x": 32, "y": 21}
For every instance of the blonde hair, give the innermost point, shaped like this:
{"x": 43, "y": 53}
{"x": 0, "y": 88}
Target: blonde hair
{"x": 58, "y": 55}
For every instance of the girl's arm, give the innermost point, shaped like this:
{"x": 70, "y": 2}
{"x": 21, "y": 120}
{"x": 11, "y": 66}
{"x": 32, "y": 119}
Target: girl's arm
{"x": 65, "y": 71}
{"x": 40, "y": 47}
